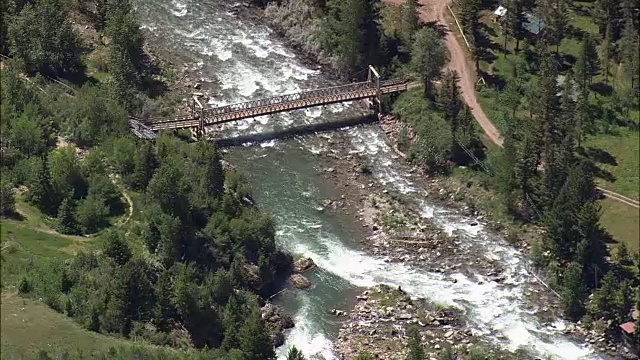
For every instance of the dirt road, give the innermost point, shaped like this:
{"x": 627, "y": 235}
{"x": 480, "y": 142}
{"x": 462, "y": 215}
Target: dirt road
{"x": 434, "y": 11}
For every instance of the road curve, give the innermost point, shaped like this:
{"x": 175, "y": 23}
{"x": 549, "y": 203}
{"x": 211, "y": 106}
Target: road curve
{"x": 435, "y": 11}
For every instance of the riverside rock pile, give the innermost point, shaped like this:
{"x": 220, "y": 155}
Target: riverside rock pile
{"x": 379, "y": 322}
{"x": 276, "y": 321}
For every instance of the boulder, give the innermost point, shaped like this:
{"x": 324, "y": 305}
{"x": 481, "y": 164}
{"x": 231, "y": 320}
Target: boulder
{"x": 299, "y": 282}
{"x": 303, "y": 264}
{"x": 277, "y": 339}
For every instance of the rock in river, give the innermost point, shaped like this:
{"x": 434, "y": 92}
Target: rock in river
{"x": 299, "y": 282}
{"x": 303, "y": 264}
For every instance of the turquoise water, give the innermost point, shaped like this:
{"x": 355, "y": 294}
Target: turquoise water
{"x": 250, "y": 62}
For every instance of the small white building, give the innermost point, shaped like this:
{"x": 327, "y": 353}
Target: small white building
{"x": 500, "y": 11}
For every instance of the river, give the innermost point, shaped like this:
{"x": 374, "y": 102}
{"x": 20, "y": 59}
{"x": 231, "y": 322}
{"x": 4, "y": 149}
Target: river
{"x": 251, "y": 62}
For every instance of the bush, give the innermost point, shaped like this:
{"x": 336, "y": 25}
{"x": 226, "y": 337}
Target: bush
{"x": 91, "y": 214}
{"x": 24, "y": 287}
{"x": 7, "y": 199}
{"x": 365, "y": 169}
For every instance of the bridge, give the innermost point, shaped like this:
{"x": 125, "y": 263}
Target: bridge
{"x": 372, "y": 89}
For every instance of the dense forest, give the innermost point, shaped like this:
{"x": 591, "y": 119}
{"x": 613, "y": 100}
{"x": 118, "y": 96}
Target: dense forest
{"x": 191, "y": 270}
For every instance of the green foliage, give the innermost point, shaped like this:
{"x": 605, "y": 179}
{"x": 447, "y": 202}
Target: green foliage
{"x": 91, "y": 214}
{"x": 7, "y": 198}
{"x": 351, "y": 34}
{"x": 416, "y": 350}
{"x": 65, "y": 221}
{"x": 92, "y": 117}
{"x": 41, "y": 38}
{"x": 295, "y": 354}
{"x": 41, "y": 192}
{"x": 573, "y": 291}
{"x": 428, "y": 57}
{"x": 116, "y": 248}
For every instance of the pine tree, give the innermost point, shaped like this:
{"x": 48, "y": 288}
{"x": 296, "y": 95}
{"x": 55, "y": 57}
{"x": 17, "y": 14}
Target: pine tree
{"x": 295, "y": 354}
{"x": 144, "y": 164}
{"x": 428, "y": 57}
{"x": 232, "y": 316}
{"x": 162, "y": 309}
{"x": 41, "y": 192}
{"x": 607, "y": 52}
{"x": 587, "y": 64}
{"x": 451, "y": 104}
{"x": 254, "y": 338}
{"x": 572, "y": 293}
{"x": 584, "y": 122}
{"x": 555, "y": 14}
{"x": 629, "y": 48}
{"x": 353, "y": 34}
{"x": 514, "y": 22}
{"x": 416, "y": 350}
{"x": 410, "y": 22}
{"x": 116, "y": 248}
{"x": 65, "y": 221}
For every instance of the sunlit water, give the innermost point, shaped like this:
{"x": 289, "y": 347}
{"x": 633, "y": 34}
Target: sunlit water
{"x": 251, "y": 62}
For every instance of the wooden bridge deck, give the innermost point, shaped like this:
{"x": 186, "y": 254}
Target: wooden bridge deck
{"x": 301, "y": 100}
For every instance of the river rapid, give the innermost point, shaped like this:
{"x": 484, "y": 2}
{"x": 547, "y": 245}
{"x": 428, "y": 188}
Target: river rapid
{"x": 250, "y": 62}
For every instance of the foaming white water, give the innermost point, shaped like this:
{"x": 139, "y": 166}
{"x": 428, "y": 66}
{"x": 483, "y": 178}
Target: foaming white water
{"x": 493, "y": 309}
{"x": 306, "y": 338}
{"x": 180, "y": 9}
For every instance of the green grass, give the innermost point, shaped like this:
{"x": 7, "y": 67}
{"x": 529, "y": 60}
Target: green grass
{"x": 624, "y": 148}
{"x": 29, "y": 326}
{"x": 622, "y": 222}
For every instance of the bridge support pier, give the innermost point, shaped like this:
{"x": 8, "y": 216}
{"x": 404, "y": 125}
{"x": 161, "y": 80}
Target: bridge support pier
{"x": 374, "y": 77}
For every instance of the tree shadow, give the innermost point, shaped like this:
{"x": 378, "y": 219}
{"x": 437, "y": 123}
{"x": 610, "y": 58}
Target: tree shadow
{"x": 493, "y": 80}
{"x": 14, "y": 215}
{"x": 601, "y": 173}
{"x": 602, "y": 89}
{"x": 598, "y": 155}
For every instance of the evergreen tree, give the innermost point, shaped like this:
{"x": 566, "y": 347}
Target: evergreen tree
{"x": 116, "y": 248}
{"x": 428, "y": 57}
{"x": 555, "y": 15}
{"x": 163, "y": 310}
{"x": 65, "y": 221}
{"x": 514, "y": 22}
{"x": 629, "y": 45}
{"x": 144, "y": 164}
{"x": 295, "y": 354}
{"x": 607, "y": 50}
{"x": 232, "y": 316}
{"x": 254, "y": 339}
{"x": 572, "y": 291}
{"x": 42, "y": 39}
{"x": 352, "y": 33}
{"x": 410, "y": 22}
{"x": 41, "y": 192}
{"x": 584, "y": 123}
{"x": 588, "y": 62}
{"x": 416, "y": 350}
{"x": 117, "y": 316}
{"x": 450, "y": 102}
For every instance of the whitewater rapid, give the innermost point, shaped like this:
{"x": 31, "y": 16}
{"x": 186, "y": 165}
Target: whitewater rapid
{"x": 248, "y": 61}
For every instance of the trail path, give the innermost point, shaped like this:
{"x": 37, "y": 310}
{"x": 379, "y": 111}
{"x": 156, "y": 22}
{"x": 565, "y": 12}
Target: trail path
{"x": 434, "y": 11}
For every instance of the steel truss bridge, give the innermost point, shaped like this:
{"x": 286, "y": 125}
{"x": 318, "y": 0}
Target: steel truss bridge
{"x": 372, "y": 89}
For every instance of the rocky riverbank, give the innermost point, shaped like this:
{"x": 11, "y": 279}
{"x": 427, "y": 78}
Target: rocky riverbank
{"x": 379, "y": 326}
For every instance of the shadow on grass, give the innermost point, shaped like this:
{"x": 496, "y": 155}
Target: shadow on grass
{"x": 599, "y": 155}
